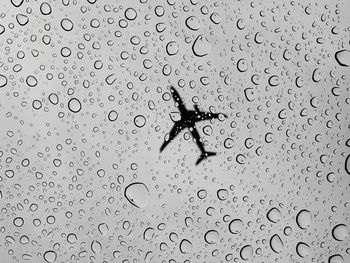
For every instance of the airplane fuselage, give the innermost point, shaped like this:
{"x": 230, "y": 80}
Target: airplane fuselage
{"x": 191, "y": 117}
{"x": 188, "y": 120}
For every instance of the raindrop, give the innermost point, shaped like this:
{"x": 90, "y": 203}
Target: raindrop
{"x": 274, "y": 215}
{"x": 242, "y": 65}
{"x": 130, "y": 14}
{"x": 185, "y": 246}
{"x": 111, "y": 79}
{"x": 22, "y": 19}
{"x": 45, "y": 8}
{"x": 103, "y": 229}
{"x": 9, "y": 173}
{"x": 139, "y": 121}
{"x": 137, "y": 194}
{"x": 72, "y": 238}
{"x": 303, "y": 250}
{"x": 215, "y": 18}
{"x": 18, "y": 221}
{"x": 222, "y": 194}
{"x": 228, "y": 143}
{"x": 172, "y": 48}
{"x": 276, "y": 244}
{"x": 201, "y": 46}
{"x": 31, "y": 81}
{"x": 236, "y": 226}
{"x": 193, "y": 23}
{"x": 74, "y": 105}
{"x": 3, "y": 81}
{"x": 96, "y": 247}
{"x": 343, "y": 57}
{"x": 112, "y": 115}
{"x": 304, "y": 219}
{"x": 336, "y": 259}
{"x": 211, "y": 236}
{"x": 53, "y": 98}
{"x": 202, "y": 194}
{"x": 65, "y": 52}
{"x": 67, "y": 24}
{"x": 246, "y": 252}
{"x": 50, "y": 256}
{"x": 17, "y": 3}
{"x": 340, "y": 232}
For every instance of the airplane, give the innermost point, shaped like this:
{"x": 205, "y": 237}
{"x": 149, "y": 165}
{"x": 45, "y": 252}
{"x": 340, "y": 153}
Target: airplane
{"x": 188, "y": 120}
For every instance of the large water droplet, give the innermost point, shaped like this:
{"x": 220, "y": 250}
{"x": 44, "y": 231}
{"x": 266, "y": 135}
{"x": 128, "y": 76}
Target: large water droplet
{"x": 96, "y": 247}
{"x": 236, "y": 226}
{"x": 304, "y": 219}
{"x": 303, "y": 249}
{"x": 185, "y": 246}
{"x": 343, "y": 57}
{"x": 3, "y": 81}
{"x": 246, "y": 252}
{"x": 193, "y": 23}
{"x": 201, "y": 46}
{"x": 336, "y": 259}
{"x": 137, "y": 194}
{"x": 211, "y": 237}
{"x": 50, "y": 256}
{"x": 340, "y": 232}
{"x": 274, "y": 215}
{"x": 276, "y": 244}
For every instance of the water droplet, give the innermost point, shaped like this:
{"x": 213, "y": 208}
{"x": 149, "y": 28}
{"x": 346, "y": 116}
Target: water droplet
{"x": 139, "y": 121}
{"x": 303, "y": 250}
{"x": 112, "y": 115}
{"x": 67, "y": 24}
{"x": 222, "y": 194}
{"x": 45, "y": 8}
{"x": 228, "y": 143}
{"x": 74, "y": 105}
{"x": 3, "y": 81}
{"x": 336, "y": 259}
{"x": 246, "y": 252}
{"x": 193, "y": 23}
{"x": 343, "y": 57}
{"x": 185, "y": 246}
{"x": 103, "y": 228}
{"x": 236, "y": 226}
{"x": 274, "y": 215}
{"x": 31, "y": 81}
{"x": 17, "y": 3}
{"x": 340, "y": 232}
{"x": 72, "y": 238}
{"x": 130, "y": 14}
{"x": 276, "y": 244}
{"x": 304, "y": 219}
{"x": 50, "y": 256}
{"x": 211, "y": 236}
{"x": 201, "y": 46}
{"x": 18, "y": 221}
{"x": 137, "y": 194}
{"x": 96, "y": 247}
{"x": 22, "y": 20}
{"x": 172, "y": 48}
{"x": 215, "y": 18}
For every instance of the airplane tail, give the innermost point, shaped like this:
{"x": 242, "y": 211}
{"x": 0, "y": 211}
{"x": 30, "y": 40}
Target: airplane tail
{"x": 204, "y": 156}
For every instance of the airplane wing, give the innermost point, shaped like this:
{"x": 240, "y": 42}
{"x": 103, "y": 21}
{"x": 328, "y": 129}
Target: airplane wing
{"x": 201, "y": 115}
{"x": 178, "y": 99}
{"x": 196, "y": 136}
{"x": 174, "y": 131}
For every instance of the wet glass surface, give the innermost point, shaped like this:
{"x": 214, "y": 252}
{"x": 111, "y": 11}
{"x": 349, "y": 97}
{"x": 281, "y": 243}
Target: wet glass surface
{"x": 174, "y": 131}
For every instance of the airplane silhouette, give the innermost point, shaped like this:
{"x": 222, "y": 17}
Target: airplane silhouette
{"x": 188, "y": 120}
